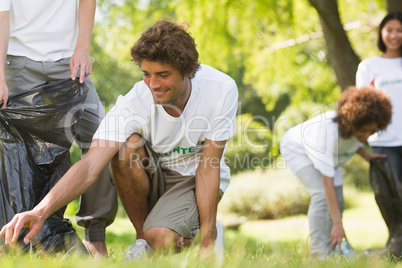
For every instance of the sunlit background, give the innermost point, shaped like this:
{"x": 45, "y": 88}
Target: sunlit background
{"x": 276, "y": 52}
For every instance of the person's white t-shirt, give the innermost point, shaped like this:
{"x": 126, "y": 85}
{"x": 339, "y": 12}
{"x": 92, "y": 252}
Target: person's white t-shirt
{"x": 317, "y": 142}
{"x": 5, "y": 5}
{"x": 42, "y": 30}
{"x": 210, "y": 113}
{"x": 387, "y": 74}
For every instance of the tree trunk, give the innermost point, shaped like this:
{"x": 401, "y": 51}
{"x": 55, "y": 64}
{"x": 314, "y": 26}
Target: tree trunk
{"x": 340, "y": 52}
{"x": 394, "y": 5}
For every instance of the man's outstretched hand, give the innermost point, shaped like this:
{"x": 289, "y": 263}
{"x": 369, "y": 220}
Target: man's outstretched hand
{"x": 30, "y": 219}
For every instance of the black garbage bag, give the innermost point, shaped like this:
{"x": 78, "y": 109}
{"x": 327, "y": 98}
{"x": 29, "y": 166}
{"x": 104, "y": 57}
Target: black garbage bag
{"x": 387, "y": 189}
{"x": 36, "y": 132}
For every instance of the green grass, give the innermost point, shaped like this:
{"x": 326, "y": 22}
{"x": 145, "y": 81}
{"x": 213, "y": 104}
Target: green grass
{"x": 255, "y": 243}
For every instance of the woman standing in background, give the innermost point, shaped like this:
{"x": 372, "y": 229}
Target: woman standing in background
{"x": 385, "y": 73}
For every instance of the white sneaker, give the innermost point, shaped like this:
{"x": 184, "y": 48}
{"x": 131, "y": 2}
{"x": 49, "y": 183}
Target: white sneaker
{"x": 219, "y": 249}
{"x": 137, "y": 251}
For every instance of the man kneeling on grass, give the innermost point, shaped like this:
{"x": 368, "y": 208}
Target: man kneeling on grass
{"x": 165, "y": 140}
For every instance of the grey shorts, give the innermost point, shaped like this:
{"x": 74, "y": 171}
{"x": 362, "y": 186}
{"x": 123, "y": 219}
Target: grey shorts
{"x": 172, "y": 199}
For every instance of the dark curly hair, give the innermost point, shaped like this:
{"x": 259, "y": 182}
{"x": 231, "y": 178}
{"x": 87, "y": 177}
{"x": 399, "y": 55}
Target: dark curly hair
{"x": 361, "y": 107}
{"x": 390, "y": 16}
{"x": 169, "y": 43}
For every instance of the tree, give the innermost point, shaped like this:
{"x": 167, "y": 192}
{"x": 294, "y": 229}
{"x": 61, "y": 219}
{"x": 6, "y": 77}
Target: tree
{"x": 394, "y": 5}
{"x": 342, "y": 56}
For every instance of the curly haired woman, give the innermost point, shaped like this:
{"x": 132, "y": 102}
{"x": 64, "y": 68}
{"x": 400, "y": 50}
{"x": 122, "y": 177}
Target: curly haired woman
{"x": 315, "y": 150}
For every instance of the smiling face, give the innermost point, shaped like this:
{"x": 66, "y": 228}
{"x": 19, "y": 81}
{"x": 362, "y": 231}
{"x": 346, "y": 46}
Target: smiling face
{"x": 366, "y": 131}
{"x": 168, "y": 87}
{"x": 391, "y": 35}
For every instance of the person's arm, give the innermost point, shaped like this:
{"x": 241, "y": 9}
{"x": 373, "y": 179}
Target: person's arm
{"x": 74, "y": 183}
{"x": 369, "y": 156}
{"x": 80, "y": 57}
{"x": 207, "y": 180}
{"x": 337, "y": 232}
{"x": 363, "y": 75}
{"x": 4, "y": 37}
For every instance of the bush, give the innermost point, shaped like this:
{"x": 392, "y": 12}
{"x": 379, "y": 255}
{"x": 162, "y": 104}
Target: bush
{"x": 270, "y": 194}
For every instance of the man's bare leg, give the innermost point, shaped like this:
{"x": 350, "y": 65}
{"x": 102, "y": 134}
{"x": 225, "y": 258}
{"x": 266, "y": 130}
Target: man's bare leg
{"x": 132, "y": 182}
{"x": 161, "y": 239}
{"x": 97, "y": 249}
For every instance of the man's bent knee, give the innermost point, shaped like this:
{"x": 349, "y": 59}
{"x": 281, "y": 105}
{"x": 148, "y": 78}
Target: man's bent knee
{"x": 160, "y": 238}
{"x": 132, "y": 154}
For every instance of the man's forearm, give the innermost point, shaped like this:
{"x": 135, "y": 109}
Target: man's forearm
{"x": 86, "y": 16}
{"x": 79, "y": 177}
{"x": 67, "y": 189}
{"x": 4, "y": 37}
{"x": 207, "y": 194}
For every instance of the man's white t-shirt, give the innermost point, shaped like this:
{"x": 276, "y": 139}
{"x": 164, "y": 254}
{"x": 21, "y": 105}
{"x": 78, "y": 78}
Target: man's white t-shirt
{"x": 42, "y": 30}
{"x": 210, "y": 113}
{"x": 317, "y": 142}
{"x": 5, "y": 5}
{"x": 387, "y": 74}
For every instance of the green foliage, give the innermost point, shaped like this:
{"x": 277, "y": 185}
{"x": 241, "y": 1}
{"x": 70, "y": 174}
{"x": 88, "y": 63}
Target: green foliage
{"x": 112, "y": 76}
{"x": 75, "y": 153}
{"x": 356, "y": 174}
{"x": 349, "y": 194}
{"x": 72, "y": 207}
{"x": 249, "y": 148}
{"x": 362, "y": 17}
